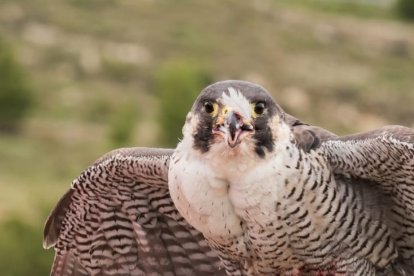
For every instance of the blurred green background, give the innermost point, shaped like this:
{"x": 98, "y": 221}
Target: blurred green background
{"x": 81, "y": 77}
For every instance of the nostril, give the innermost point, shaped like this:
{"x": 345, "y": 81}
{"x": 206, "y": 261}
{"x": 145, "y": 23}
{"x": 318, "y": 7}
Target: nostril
{"x": 247, "y": 127}
{"x": 219, "y": 127}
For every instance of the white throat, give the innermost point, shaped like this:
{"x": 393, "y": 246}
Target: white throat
{"x": 210, "y": 189}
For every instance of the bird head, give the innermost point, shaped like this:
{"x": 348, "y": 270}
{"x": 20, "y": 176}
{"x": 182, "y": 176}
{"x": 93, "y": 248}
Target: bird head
{"x": 233, "y": 117}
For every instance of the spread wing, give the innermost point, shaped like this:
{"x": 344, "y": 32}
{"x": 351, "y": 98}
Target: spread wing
{"x": 118, "y": 219}
{"x": 379, "y": 165}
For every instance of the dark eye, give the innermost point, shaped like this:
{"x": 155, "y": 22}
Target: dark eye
{"x": 209, "y": 107}
{"x": 259, "y": 108}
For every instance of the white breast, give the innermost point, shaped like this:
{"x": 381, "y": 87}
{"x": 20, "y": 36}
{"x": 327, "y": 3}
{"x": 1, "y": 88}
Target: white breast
{"x": 213, "y": 196}
{"x": 202, "y": 197}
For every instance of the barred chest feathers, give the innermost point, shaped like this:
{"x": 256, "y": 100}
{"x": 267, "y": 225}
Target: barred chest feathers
{"x": 244, "y": 198}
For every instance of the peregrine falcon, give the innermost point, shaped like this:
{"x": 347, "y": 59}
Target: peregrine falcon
{"x": 249, "y": 190}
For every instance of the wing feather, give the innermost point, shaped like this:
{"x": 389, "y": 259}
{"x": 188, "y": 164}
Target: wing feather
{"x": 307, "y": 137}
{"x": 380, "y": 165}
{"x": 118, "y": 219}
{"x": 52, "y": 227}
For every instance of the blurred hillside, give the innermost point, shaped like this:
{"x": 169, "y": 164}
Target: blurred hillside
{"x": 111, "y": 73}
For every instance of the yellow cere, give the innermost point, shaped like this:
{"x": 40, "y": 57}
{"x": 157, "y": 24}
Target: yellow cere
{"x": 215, "y": 110}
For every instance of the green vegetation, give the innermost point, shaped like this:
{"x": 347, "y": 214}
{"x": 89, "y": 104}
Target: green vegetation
{"x": 15, "y": 94}
{"x": 406, "y": 9}
{"x": 122, "y": 126}
{"x": 19, "y": 249}
{"x": 177, "y": 84}
{"x": 79, "y": 78}
{"x": 358, "y": 8}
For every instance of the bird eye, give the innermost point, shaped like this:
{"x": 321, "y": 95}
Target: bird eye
{"x": 209, "y": 107}
{"x": 259, "y": 108}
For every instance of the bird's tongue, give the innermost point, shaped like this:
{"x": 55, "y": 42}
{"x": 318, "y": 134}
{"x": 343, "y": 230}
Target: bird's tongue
{"x": 234, "y": 124}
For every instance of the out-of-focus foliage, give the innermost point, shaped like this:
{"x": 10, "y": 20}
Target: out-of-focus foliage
{"x": 360, "y": 8}
{"x": 19, "y": 249}
{"x": 406, "y": 9}
{"x": 122, "y": 125}
{"x": 15, "y": 93}
{"x": 119, "y": 71}
{"x": 178, "y": 84}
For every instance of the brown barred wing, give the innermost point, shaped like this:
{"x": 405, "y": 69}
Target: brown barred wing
{"x": 379, "y": 165}
{"x": 118, "y": 219}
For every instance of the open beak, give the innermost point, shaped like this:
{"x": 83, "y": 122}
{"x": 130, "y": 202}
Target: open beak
{"x": 233, "y": 127}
